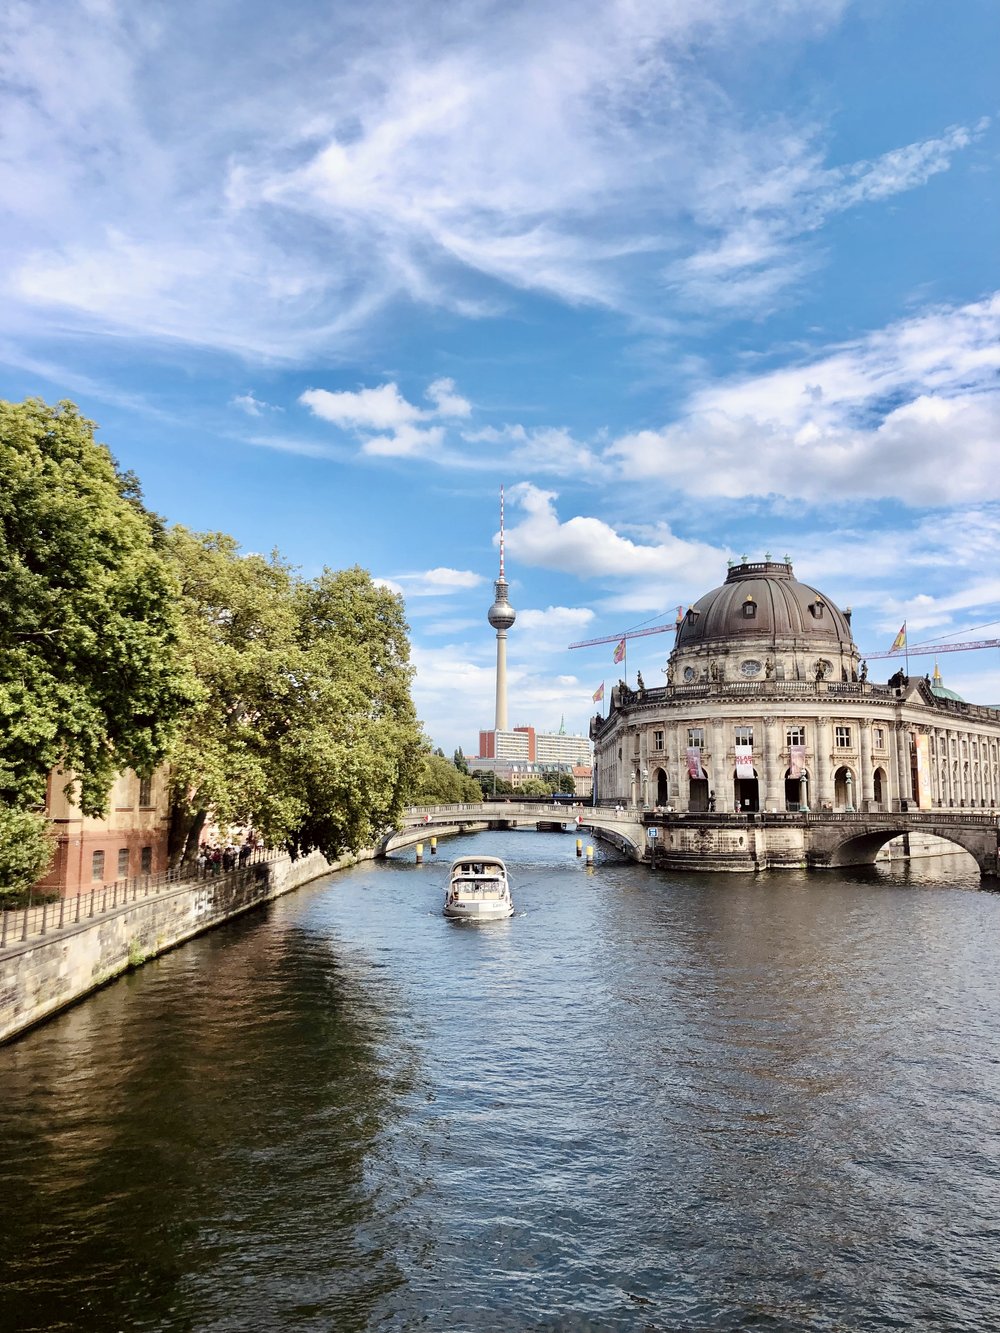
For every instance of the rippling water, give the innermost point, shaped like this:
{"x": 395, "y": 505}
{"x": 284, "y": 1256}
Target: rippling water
{"x": 643, "y": 1103}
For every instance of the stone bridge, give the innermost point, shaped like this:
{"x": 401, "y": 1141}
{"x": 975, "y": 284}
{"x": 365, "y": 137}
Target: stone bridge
{"x": 815, "y": 840}
{"x": 711, "y": 842}
{"x": 623, "y": 829}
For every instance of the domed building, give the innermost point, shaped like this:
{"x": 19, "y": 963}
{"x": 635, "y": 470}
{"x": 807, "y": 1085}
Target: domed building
{"x": 767, "y": 707}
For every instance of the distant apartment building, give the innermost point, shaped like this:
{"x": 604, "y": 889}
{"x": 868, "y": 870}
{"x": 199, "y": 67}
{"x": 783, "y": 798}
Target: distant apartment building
{"x": 525, "y": 745}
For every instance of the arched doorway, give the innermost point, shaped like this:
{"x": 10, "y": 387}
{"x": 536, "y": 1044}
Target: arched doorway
{"x": 662, "y": 792}
{"x": 796, "y": 791}
{"x": 698, "y": 795}
{"x": 843, "y": 789}
{"x": 880, "y": 789}
{"x": 746, "y": 793}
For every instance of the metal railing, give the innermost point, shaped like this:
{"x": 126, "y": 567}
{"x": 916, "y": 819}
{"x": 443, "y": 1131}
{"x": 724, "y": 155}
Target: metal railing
{"x": 19, "y": 924}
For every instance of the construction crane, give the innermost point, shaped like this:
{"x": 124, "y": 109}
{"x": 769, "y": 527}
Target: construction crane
{"x": 932, "y": 649}
{"x": 631, "y": 633}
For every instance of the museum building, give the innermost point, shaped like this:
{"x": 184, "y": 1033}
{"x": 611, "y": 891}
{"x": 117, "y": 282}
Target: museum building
{"x": 767, "y": 706}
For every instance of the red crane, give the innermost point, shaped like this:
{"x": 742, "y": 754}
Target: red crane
{"x": 631, "y": 633}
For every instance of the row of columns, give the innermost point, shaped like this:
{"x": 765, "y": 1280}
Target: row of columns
{"x": 817, "y": 791}
{"x": 633, "y": 777}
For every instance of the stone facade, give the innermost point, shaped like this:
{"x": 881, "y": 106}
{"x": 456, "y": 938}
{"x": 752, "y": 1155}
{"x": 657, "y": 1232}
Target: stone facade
{"x": 768, "y": 707}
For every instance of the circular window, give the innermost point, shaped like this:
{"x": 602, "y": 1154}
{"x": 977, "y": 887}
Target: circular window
{"x": 751, "y": 667}
{"x": 689, "y": 673}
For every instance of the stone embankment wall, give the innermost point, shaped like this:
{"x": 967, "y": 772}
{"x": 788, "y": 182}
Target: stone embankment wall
{"x": 45, "y": 974}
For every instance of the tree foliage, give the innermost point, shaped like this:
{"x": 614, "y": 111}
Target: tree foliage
{"x": 88, "y": 679}
{"x": 303, "y": 725}
{"x": 27, "y": 846}
{"x": 441, "y": 783}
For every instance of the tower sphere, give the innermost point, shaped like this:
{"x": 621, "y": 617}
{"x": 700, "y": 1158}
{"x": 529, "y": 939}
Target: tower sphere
{"x": 501, "y": 614}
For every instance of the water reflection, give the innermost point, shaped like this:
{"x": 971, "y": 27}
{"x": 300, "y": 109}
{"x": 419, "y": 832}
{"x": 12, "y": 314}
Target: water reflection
{"x": 209, "y": 1116}
{"x": 642, "y": 1103}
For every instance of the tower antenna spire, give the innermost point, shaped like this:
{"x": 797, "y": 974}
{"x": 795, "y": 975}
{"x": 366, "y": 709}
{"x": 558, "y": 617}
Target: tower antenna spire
{"x": 501, "y": 616}
{"x": 501, "y": 531}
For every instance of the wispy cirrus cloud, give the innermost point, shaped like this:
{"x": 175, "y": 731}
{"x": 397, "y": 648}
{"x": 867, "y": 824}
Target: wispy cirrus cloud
{"x": 431, "y": 158}
{"x": 761, "y": 206}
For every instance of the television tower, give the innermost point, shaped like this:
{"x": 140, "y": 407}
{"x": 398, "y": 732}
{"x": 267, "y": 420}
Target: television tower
{"x": 501, "y": 616}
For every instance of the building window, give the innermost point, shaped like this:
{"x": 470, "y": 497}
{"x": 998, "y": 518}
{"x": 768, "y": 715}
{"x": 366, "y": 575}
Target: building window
{"x": 878, "y": 737}
{"x": 744, "y": 736}
{"x": 795, "y": 736}
{"x": 123, "y": 863}
{"x": 657, "y": 740}
{"x": 147, "y": 860}
{"x": 97, "y": 867}
{"x": 842, "y": 738}
{"x": 696, "y": 738}
{"x": 817, "y": 609}
{"x": 145, "y": 791}
{"x": 749, "y": 609}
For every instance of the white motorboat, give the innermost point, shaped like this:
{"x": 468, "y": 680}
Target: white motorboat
{"x": 478, "y": 890}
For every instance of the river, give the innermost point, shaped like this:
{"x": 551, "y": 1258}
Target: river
{"x": 643, "y": 1103}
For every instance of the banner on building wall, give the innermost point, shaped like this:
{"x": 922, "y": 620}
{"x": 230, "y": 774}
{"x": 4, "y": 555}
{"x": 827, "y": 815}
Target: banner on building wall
{"x": 796, "y": 761}
{"x": 695, "y": 769}
{"x": 922, "y": 795}
{"x": 744, "y": 761}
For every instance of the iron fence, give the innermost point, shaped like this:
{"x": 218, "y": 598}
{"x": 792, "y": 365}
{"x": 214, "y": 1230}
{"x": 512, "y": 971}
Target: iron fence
{"x": 18, "y": 924}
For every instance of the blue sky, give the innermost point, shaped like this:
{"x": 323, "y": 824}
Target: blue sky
{"x": 691, "y": 279}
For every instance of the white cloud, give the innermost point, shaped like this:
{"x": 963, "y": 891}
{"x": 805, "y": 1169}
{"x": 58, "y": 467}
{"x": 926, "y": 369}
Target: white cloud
{"x": 253, "y": 407}
{"x": 763, "y": 204}
{"x": 448, "y": 403}
{"x": 555, "y": 617}
{"x": 383, "y": 408}
{"x": 154, "y": 185}
{"x": 911, "y": 412}
{"x": 589, "y": 547}
{"x": 436, "y": 582}
{"x": 405, "y": 442}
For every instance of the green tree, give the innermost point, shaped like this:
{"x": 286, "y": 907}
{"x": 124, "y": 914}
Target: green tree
{"x": 27, "y": 846}
{"x": 303, "y": 726}
{"x": 490, "y": 784}
{"x": 239, "y": 641}
{"x": 352, "y": 757}
{"x": 460, "y": 761}
{"x": 89, "y": 679}
{"x": 534, "y": 787}
{"x": 441, "y": 783}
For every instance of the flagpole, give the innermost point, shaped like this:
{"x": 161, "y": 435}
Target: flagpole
{"x": 906, "y": 649}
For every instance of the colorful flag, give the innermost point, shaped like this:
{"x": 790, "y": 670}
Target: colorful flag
{"x": 620, "y": 650}
{"x": 599, "y": 693}
{"x": 900, "y": 640}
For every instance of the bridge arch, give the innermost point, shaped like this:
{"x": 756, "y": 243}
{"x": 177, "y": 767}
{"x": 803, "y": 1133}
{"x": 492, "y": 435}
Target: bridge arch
{"x": 862, "y": 848}
{"x": 621, "y": 828}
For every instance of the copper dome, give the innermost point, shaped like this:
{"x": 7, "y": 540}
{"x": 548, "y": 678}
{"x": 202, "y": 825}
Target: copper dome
{"x": 764, "y": 600}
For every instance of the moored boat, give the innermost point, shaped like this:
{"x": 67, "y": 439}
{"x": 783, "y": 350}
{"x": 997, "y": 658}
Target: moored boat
{"x": 478, "y": 890}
